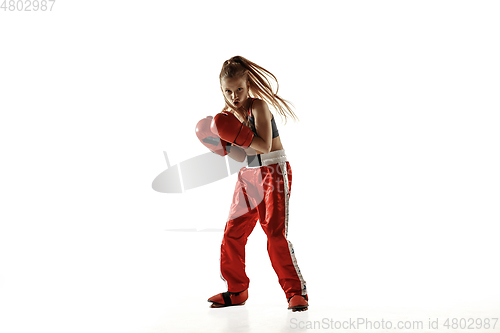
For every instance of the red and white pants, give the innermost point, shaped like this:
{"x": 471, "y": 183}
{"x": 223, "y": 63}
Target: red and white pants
{"x": 262, "y": 193}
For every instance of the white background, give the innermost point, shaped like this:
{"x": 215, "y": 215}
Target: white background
{"x": 395, "y": 197}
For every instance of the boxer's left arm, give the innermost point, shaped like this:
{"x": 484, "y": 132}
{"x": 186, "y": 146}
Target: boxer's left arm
{"x": 229, "y": 128}
{"x": 263, "y": 141}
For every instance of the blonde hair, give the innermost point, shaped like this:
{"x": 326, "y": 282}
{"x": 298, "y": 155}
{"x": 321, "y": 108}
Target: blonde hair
{"x": 259, "y": 85}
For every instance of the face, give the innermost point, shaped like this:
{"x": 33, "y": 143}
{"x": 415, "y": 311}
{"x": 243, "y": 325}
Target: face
{"x": 235, "y": 90}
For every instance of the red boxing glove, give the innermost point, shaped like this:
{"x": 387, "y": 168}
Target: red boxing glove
{"x": 208, "y": 139}
{"x": 229, "y": 128}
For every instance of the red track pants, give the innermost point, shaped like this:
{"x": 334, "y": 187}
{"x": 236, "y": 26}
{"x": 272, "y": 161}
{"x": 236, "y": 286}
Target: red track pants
{"x": 261, "y": 193}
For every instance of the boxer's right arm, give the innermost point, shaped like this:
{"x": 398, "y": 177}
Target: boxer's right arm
{"x": 209, "y": 139}
{"x": 237, "y": 154}
{"x": 216, "y": 144}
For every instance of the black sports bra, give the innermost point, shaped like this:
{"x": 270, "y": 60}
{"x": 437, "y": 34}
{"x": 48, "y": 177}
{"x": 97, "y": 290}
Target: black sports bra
{"x": 251, "y": 119}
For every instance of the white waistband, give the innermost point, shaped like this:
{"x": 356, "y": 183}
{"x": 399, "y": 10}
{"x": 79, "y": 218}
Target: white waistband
{"x": 273, "y": 157}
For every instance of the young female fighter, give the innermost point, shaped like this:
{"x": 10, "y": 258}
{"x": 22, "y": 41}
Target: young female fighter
{"x": 246, "y": 129}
